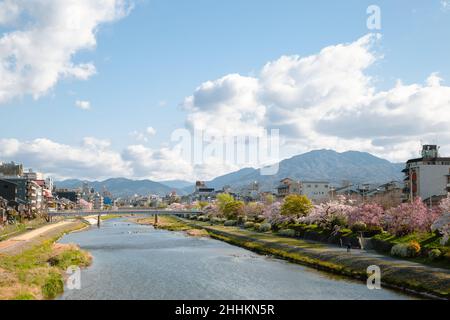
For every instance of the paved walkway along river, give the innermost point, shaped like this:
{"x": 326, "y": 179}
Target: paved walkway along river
{"x": 133, "y": 261}
{"x": 26, "y": 240}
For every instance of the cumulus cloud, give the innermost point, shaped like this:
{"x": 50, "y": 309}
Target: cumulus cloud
{"x": 45, "y": 36}
{"x": 90, "y": 160}
{"x": 84, "y": 105}
{"x": 326, "y": 100}
{"x": 145, "y": 135}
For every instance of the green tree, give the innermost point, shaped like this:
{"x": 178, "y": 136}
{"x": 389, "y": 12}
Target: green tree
{"x": 222, "y": 200}
{"x": 202, "y": 205}
{"x": 296, "y": 205}
{"x": 269, "y": 199}
{"x": 232, "y": 210}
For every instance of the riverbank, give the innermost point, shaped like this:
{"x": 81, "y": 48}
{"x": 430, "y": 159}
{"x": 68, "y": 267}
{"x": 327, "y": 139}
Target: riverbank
{"x": 34, "y": 269}
{"x": 171, "y": 223}
{"x": 398, "y": 274}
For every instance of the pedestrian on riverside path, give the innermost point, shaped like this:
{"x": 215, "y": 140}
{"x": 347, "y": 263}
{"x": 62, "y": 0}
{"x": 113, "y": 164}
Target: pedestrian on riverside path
{"x": 349, "y": 247}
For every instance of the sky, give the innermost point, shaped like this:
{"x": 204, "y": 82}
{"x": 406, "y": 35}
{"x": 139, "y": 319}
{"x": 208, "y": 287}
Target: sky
{"x": 93, "y": 89}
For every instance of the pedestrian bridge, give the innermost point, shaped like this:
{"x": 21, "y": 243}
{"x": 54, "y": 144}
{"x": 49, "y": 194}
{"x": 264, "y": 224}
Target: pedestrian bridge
{"x": 122, "y": 211}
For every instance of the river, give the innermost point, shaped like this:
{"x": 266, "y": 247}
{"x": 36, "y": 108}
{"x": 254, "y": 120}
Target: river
{"x": 132, "y": 261}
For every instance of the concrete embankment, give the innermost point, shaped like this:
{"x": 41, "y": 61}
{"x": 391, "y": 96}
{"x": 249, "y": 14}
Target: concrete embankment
{"x": 398, "y": 274}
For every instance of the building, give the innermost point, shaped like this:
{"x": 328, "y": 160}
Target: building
{"x": 316, "y": 190}
{"x": 11, "y": 169}
{"x": 202, "y": 192}
{"x": 97, "y": 202}
{"x": 72, "y": 196}
{"x": 288, "y": 186}
{"x": 427, "y": 177}
{"x": 8, "y": 190}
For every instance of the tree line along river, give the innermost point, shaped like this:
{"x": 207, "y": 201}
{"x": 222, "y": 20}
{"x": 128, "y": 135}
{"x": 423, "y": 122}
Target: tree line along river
{"x": 132, "y": 261}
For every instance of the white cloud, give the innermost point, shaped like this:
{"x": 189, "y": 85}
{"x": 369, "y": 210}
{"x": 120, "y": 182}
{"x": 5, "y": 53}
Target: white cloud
{"x": 161, "y": 164}
{"x": 150, "y": 131}
{"x": 326, "y": 100}
{"x": 445, "y": 5}
{"x": 40, "y": 49}
{"x": 93, "y": 159}
{"x": 145, "y": 135}
{"x": 84, "y": 105}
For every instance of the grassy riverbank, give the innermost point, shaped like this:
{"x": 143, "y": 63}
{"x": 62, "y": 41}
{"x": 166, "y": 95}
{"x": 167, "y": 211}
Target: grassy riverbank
{"x": 38, "y": 273}
{"x": 408, "y": 276}
{"x": 173, "y": 224}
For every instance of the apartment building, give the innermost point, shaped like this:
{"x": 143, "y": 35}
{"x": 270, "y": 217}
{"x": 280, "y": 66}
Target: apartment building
{"x": 314, "y": 190}
{"x": 427, "y": 177}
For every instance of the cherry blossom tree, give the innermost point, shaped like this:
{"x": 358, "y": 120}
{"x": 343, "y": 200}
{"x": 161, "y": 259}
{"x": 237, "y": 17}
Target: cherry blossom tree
{"x": 330, "y": 214}
{"x": 409, "y": 217}
{"x": 371, "y": 214}
{"x": 272, "y": 213}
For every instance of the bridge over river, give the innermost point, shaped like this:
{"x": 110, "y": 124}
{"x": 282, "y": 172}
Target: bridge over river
{"x": 122, "y": 211}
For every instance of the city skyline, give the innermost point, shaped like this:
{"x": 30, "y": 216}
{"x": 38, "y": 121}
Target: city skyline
{"x": 116, "y": 80}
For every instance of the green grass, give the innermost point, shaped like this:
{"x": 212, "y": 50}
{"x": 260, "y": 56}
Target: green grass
{"x": 110, "y": 216}
{"x": 37, "y": 273}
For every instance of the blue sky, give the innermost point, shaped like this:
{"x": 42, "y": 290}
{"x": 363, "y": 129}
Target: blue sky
{"x": 150, "y": 59}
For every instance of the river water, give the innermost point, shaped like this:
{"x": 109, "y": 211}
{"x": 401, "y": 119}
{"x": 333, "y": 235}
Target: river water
{"x": 132, "y": 261}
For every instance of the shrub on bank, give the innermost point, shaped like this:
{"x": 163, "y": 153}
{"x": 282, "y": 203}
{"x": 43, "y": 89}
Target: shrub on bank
{"x": 359, "y": 227}
{"x": 260, "y": 219}
{"x": 414, "y": 248}
{"x": 249, "y": 225}
{"x": 203, "y": 218}
{"x": 53, "y": 286}
{"x": 256, "y": 226}
{"x": 265, "y": 227}
{"x": 216, "y": 220}
{"x": 406, "y": 250}
{"x": 230, "y": 223}
{"x": 435, "y": 254}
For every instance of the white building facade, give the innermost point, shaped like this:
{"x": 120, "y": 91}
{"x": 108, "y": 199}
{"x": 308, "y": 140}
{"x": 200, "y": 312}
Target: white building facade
{"x": 316, "y": 190}
{"x": 427, "y": 177}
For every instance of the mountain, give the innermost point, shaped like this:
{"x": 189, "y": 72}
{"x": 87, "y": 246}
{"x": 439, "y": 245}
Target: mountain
{"x": 178, "y": 184}
{"x": 328, "y": 165}
{"x": 121, "y": 187}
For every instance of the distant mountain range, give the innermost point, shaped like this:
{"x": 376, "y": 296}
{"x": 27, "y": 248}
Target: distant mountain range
{"x": 121, "y": 187}
{"x": 319, "y": 165}
{"x": 327, "y": 165}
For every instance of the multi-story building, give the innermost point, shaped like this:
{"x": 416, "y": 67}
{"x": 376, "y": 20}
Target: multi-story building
{"x": 8, "y": 190}
{"x": 427, "y": 177}
{"x": 202, "y": 192}
{"x": 288, "y": 186}
{"x": 97, "y": 202}
{"x": 316, "y": 190}
{"x": 71, "y": 195}
{"x": 11, "y": 169}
